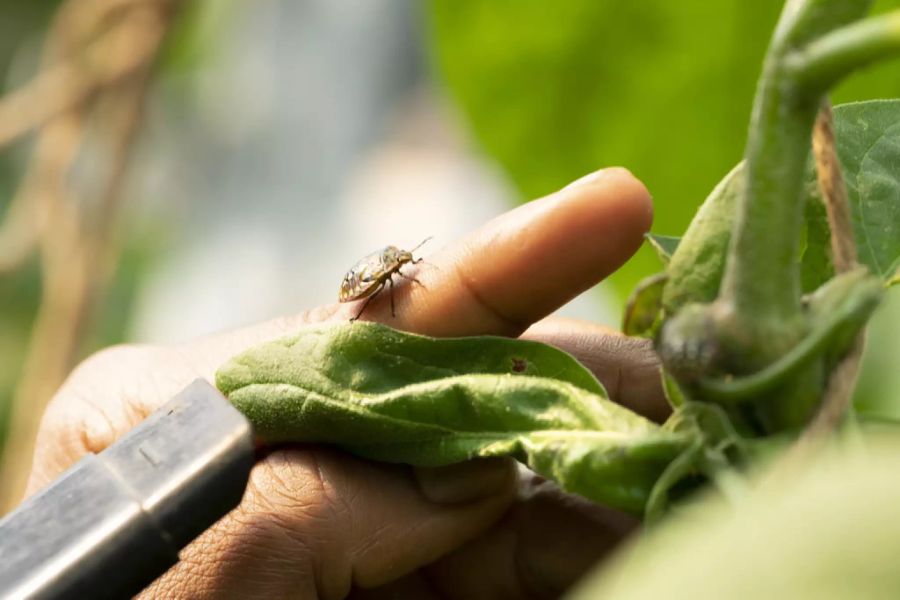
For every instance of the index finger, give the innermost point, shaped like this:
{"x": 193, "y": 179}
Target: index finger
{"x": 524, "y": 264}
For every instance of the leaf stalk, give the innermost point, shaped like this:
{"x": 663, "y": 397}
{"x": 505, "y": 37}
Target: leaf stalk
{"x": 823, "y": 62}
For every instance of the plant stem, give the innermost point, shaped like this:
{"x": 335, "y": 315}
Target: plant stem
{"x": 828, "y": 59}
{"x": 760, "y": 290}
{"x": 761, "y": 280}
{"x": 861, "y": 294}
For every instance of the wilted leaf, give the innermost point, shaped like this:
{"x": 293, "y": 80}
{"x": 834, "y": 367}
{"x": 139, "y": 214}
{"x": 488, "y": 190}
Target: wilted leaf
{"x": 868, "y": 146}
{"x": 398, "y": 397}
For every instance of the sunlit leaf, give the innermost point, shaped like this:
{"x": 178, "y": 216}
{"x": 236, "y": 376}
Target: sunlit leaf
{"x": 398, "y": 397}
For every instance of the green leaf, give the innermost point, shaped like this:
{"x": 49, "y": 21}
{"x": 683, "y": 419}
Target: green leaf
{"x": 681, "y": 468}
{"x": 868, "y": 146}
{"x": 711, "y": 234}
{"x": 823, "y": 531}
{"x": 716, "y": 445}
{"x": 665, "y": 245}
{"x": 696, "y": 268}
{"x": 398, "y": 397}
{"x": 671, "y": 388}
{"x": 643, "y": 311}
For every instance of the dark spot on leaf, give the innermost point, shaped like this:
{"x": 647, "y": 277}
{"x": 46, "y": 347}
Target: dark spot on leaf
{"x": 519, "y": 365}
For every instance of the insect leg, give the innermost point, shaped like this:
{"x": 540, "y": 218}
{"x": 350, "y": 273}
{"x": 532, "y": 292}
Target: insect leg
{"x": 366, "y": 303}
{"x": 391, "y": 280}
{"x": 410, "y": 278}
{"x": 431, "y": 265}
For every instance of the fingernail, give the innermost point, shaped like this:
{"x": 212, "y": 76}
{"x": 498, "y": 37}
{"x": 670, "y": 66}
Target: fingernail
{"x": 465, "y": 482}
{"x": 596, "y": 176}
{"x": 589, "y": 178}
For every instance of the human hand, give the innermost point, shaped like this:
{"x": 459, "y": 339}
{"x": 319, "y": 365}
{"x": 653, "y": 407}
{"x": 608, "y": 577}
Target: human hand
{"x": 318, "y": 523}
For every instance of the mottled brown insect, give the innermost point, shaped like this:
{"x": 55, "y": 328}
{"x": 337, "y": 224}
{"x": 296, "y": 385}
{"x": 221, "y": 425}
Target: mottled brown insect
{"x": 368, "y": 276}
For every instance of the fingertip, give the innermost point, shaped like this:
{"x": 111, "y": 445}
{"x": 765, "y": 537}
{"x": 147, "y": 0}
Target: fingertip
{"x": 530, "y": 261}
{"x": 625, "y": 195}
{"x": 636, "y": 198}
{"x": 609, "y": 210}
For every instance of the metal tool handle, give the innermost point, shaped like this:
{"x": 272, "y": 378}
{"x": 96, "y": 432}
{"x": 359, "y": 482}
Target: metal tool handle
{"x": 115, "y": 521}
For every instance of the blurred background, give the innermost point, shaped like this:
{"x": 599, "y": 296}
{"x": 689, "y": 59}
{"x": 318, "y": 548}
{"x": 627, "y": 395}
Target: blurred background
{"x": 171, "y": 168}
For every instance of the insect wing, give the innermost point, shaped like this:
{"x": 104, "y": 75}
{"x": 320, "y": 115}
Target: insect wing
{"x": 363, "y": 278}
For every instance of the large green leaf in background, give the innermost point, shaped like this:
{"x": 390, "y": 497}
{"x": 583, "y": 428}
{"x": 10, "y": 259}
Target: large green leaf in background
{"x": 868, "y": 135}
{"x": 556, "y": 89}
{"x": 823, "y": 531}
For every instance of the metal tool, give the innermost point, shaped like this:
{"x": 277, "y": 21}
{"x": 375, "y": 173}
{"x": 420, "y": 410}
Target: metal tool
{"x": 116, "y": 520}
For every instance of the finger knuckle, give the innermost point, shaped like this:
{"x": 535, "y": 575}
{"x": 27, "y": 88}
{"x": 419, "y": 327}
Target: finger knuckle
{"x": 82, "y": 414}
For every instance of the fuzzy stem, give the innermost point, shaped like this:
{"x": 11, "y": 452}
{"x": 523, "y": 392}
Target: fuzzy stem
{"x": 827, "y": 60}
{"x": 761, "y": 285}
{"x": 863, "y": 293}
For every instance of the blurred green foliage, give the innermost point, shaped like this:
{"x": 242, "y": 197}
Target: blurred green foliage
{"x": 21, "y": 22}
{"x": 553, "y": 90}
{"x": 22, "y": 27}
{"x": 818, "y": 530}
{"x": 19, "y": 295}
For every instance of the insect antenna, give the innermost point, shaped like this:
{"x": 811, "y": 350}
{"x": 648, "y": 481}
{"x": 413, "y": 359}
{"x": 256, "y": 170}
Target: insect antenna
{"x": 422, "y": 243}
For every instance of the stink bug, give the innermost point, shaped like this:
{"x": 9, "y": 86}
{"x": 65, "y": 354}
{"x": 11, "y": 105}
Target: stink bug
{"x": 368, "y": 276}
